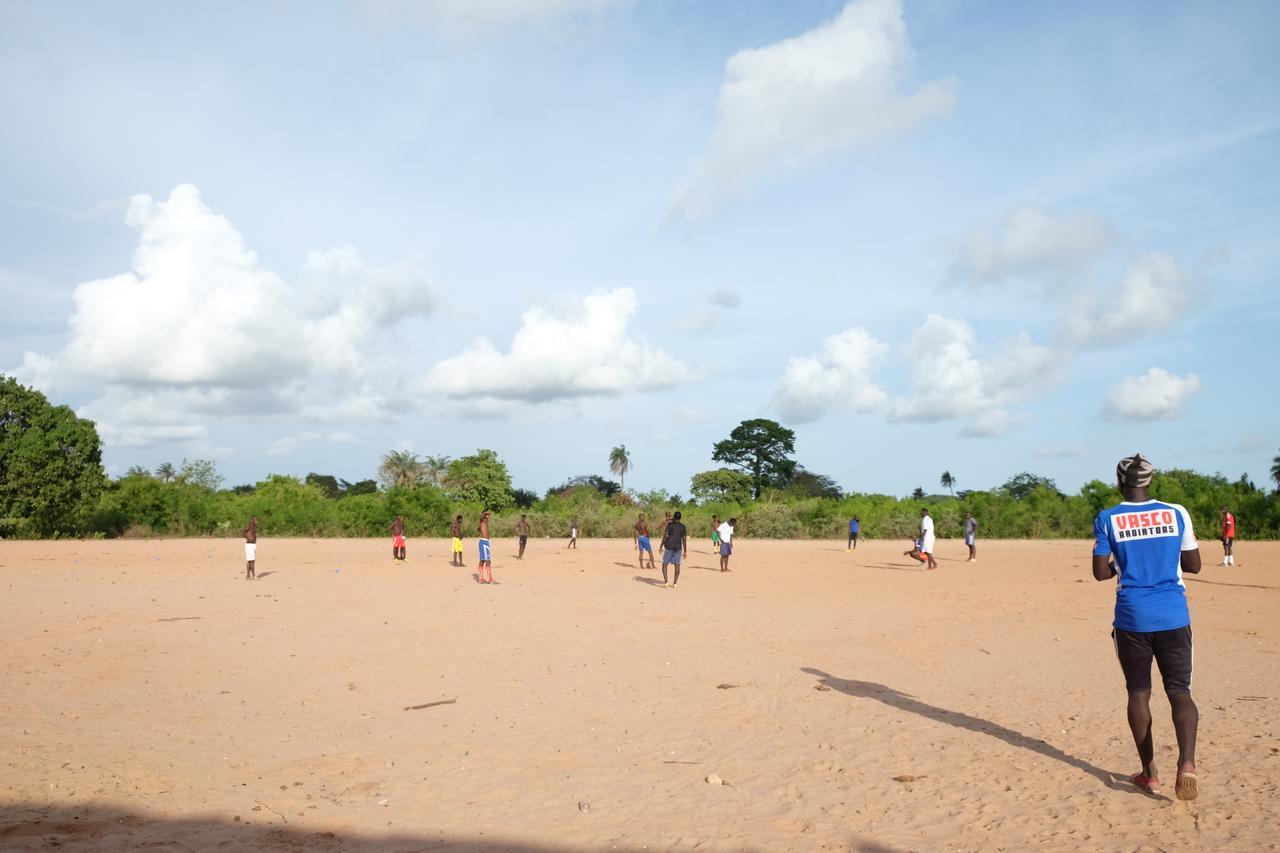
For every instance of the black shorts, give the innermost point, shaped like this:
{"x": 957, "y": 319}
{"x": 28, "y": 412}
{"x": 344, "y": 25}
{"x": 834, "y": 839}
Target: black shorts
{"x": 1171, "y": 650}
{"x": 524, "y": 539}
{"x": 1227, "y": 540}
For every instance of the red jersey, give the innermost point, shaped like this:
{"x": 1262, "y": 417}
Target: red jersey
{"x": 1228, "y": 526}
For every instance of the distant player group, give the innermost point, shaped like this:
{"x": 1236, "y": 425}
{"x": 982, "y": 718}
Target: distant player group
{"x": 1145, "y": 544}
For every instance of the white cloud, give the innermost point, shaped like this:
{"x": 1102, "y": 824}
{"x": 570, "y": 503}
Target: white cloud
{"x": 788, "y": 104}
{"x": 839, "y": 377}
{"x": 1061, "y": 451}
{"x": 1155, "y": 293}
{"x": 589, "y": 353}
{"x": 950, "y": 380}
{"x": 341, "y": 437}
{"x": 1030, "y": 243}
{"x": 287, "y": 444}
{"x": 200, "y": 328}
{"x": 1156, "y": 395}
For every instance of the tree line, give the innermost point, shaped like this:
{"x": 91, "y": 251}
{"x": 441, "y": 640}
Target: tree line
{"x": 52, "y": 484}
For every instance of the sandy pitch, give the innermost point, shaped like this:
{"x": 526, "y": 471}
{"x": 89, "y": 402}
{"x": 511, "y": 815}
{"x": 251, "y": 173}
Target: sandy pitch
{"x": 152, "y": 697}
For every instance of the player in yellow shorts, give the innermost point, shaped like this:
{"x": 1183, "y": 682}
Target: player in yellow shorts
{"x": 457, "y": 541}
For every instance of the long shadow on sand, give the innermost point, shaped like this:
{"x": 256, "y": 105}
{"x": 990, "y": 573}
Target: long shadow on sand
{"x": 44, "y": 826}
{"x": 1228, "y": 583}
{"x": 893, "y": 568}
{"x": 649, "y": 581}
{"x": 903, "y": 702}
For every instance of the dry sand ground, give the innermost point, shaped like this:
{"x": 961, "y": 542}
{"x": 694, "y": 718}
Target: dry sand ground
{"x": 152, "y": 698}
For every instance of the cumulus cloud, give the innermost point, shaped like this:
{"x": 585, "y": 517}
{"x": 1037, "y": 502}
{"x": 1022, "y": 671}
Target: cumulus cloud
{"x": 824, "y": 91}
{"x": 1029, "y": 244}
{"x": 837, "y": 378}
{"x": 200, "y": 327}
{"x": 588, "y": 353}
{"x": 951, "y": 379}
{"x": 1155, "y": 395}
{"x": 1155, "y": 293}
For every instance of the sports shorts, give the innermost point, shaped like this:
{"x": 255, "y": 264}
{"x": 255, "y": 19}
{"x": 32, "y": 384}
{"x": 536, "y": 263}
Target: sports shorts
{"x": 968, "y": 539}
{"x": 397, "y": 542}
{"x": 671, "y": 555}
{"x": 573, "y": 533}
{"x": 926, "y": 547}
{"x": 642, "y": 542}
{"x": 1228, "y": 541}
{"x": 484, "y": 550}
{"x": 715, "y": 538}
{"x": 250, "y": 550}
{"x": 524, "y": 539}
{"x": 726, "y": 549}
{"x": 1172, "y": 652}
{"x": 457, "y": 545}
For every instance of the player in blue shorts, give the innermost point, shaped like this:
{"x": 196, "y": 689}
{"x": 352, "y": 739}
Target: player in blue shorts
{"x": 1146, "y": 545}
{"x": 854, "y": 526}
{"x": 641, "y": 536}
{"x": 675, "y": 547}
{"x": 486, "y": 551}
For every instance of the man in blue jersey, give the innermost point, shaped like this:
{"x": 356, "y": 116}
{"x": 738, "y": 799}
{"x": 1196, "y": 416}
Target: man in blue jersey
{"x": 854, "y": 525}
{"x": 1146, "y": 545}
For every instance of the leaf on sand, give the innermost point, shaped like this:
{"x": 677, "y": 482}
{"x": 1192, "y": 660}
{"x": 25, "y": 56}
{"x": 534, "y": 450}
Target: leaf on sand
{"x": 822, "y": 687}
{"x": 725, "y": 686}
{"x": 908, "y": 778}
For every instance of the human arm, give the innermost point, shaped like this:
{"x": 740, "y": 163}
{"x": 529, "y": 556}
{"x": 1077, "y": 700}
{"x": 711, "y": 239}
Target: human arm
{"x": 1103, "y": 567}
{"x": 1189, "y": 559}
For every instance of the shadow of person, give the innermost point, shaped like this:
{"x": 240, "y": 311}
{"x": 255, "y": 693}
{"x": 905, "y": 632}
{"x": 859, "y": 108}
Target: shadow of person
{"x": 904, "y": 702}
{"x": 649, "y": 581}
{"x": 266, "y": 574}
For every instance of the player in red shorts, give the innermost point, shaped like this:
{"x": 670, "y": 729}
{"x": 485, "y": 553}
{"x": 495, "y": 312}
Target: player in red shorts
{"x": 1228, "y": 537}
{"x": 397, "y": 539}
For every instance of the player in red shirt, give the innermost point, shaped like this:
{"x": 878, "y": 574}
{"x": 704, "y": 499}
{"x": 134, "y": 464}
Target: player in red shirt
{"x": 1228, "y": 537}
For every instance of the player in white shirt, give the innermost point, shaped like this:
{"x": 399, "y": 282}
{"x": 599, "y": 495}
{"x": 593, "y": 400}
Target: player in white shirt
{"x": 927, "y": 538}
{"x": 726, "y": 543}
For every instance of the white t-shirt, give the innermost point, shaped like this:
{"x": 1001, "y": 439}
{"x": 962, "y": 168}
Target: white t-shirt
{"x": 926, "y": 531}
{"x": 725, "y": 531}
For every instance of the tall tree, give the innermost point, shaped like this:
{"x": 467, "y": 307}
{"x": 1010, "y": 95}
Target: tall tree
{"x": 327, "y": 483}
{"x": 722, "y": 485}
{"x": 481, "y": 478}
{"x": 50, "y": 462}
{"x": 200, "y": 472}
{"x": 620, "y": 464}
{"x": 918, "y": 494}
{"x": 1275, "y": 472}
{"x": 435, "y": 467}
{"x": 137, "y": 471}
{"x": 762, "y": 449}
{"x": 400, "y": 468}
{"x": 948, "y": 482}
{"x": 166, "y": 472}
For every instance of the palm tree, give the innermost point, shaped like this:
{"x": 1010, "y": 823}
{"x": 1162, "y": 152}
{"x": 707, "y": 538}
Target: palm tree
{"x": 620, "y": 463}
{"x": 948, "y": 482}
{"x": 137, "y": 471}
{"x": 1275, "y": 472}
{"x": 400, "y": 468}
{"x": 434, "y": 468}
{"x": 166, "y": 472}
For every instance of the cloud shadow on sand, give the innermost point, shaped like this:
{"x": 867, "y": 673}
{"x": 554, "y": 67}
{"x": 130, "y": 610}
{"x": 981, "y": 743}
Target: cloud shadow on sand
{"x": 904, "y": 702}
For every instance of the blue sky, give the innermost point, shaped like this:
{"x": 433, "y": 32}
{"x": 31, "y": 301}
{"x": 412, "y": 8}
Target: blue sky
{"x": 975, "y": 237}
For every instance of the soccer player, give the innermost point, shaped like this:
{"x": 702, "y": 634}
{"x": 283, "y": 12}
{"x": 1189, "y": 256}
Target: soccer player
{"x": 927, "y": 538}
{"x": 250, "y": 535}
{"x": 641, "y": 537}
{"x": 1228, "y": 537}
{"x": 715, "y": 533}
{"x": 522, "y": 530}
{"x": 726, "y": 543}
{"x": 971, "y": 536}
{"x": 485, "y": 569}
{"x": 914, "y": 552}
{"x": 397, "y": 539}
{"x": 854, "y": 526}
{"x": 1147, "y": 545}
{"x": 675, "y": 545}
{"x": 457, "y": 541}
{"x": 573, "y": 534}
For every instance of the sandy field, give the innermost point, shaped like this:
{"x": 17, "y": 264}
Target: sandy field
{"x": 154, "y": 699}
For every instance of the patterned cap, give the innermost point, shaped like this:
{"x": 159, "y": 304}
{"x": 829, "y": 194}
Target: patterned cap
{"x": 1135, "y": 471}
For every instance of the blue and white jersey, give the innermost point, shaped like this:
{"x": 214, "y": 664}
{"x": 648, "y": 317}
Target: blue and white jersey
{"x": 1147, "y": 541}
